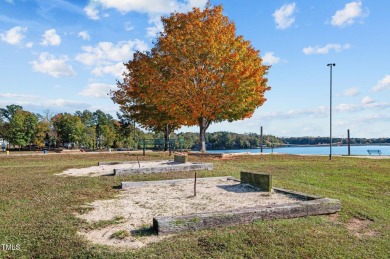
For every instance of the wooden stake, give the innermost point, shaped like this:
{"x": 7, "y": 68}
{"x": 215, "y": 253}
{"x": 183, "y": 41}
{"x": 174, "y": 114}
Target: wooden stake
{"x": 195, "y": 185}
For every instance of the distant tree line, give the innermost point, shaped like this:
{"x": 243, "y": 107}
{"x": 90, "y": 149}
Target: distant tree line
{"x": 325, "y": 140}
{"x": 83, "y": 129}
{"x": 97, "y": 130}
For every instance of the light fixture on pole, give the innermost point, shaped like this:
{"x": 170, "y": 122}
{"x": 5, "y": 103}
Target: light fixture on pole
{"x": 330, "y": 120}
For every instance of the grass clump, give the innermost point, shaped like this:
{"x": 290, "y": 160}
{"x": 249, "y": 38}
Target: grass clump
{"x": 120, "y": 234}
{"x": 104, "y": 223}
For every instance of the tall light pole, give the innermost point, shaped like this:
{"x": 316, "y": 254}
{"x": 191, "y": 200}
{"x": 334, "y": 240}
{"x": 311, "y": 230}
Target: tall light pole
{"x": 330, "y": 120}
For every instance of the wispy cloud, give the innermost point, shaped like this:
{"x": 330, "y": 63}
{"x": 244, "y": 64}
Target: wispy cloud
{"x": 39, "y": 104}
{"x": 151, "y": 8}
{"x": 367, "y": 103}
{"x": 325, "y": 49}
{"x": 51, "y": 38}
{"x": 318, "y": 112}
{"x": 353, "y": 91}
{"x": 374, "y": 117}
{"x": 284, "y": 16}
{"x": 97, "y": 90}
{"x": 367, "y": 100}
{"x": 18, "y": 96}
{"x": 56, "y": 67}
{"x": 382, "y": 84}
{"x": 348, "y": 14}
{"x": 128, "y": 26}
{"x": 14, "y": 35}
{"x": 84, "y": 35}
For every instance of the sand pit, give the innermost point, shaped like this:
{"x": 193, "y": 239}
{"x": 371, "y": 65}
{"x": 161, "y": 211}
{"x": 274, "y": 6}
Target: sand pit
{"x": 139, "y": 204}
{"x": 133, "y": 167}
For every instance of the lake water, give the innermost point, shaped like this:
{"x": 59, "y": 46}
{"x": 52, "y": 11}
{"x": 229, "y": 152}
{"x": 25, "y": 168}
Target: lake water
{"x": 317, "y": 150}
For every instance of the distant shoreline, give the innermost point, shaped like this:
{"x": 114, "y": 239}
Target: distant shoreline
{"x": 296, "y": 145}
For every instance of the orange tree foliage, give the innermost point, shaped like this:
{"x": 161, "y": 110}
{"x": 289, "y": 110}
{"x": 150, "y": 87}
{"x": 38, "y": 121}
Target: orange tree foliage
{"x": 136, "y": 96}
{"x": 198, "y": 72}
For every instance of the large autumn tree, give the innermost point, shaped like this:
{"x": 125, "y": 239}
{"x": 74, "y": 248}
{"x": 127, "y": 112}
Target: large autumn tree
{"x": 198, "y": 72}
{"x": 136, "y": 100}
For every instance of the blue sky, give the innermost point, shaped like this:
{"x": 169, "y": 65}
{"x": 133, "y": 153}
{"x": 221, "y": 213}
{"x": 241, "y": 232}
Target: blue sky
{"x": 64, "y": 56}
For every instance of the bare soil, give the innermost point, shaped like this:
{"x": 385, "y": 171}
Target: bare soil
{"x": 101, "y": 170}
{"x": 360, "y": 227}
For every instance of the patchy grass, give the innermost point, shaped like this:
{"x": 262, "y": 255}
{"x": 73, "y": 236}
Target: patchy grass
{"x": 104, "y": 223}
{"x": 120, "y": 234}
{"x": 37, "y": 209}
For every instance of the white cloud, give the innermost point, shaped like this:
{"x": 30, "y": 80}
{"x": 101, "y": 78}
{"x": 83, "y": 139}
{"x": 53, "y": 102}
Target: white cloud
{"x": 270, "y": 59}
{"x": 29, "y": 45}
{"x": 382, "y": 84}
{"x": 98, "y": 90}
{"x": 157, "y": 27}
{"x": 284, "y": 16}
{"x": 91, "y": 12}
{"x": 348, "y": 15}
{"x": 367, "y": 100}
{"x": 107, "y": 52}
{"x": 107, "y": 57}
{"x": 51, "y": 38}
{"x": 56, "y": 67}
{"x": 14, "y": 35}
{"x": 151, "y": 8}
{"x": 84, "y": 35}
{"x": 351, "y": 92}
{"x": 325, "y": 49}
{"x": 116, "y": 70}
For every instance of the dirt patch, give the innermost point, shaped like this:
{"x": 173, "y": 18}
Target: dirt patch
{"x": 360, "y": 227}
{"x": 138, "y": 205}
{"x": 334, "y": 217}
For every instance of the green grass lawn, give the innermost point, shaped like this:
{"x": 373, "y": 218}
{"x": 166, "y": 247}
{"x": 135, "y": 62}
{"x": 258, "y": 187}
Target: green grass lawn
{"x": 37, "y": 209}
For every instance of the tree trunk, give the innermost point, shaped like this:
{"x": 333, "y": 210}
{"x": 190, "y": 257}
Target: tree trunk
{"x": 167, "y": 132}
{"x": 203, "y": 125}
{"x": 166, "y": 140}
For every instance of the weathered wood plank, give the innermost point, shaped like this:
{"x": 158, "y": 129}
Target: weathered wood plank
{"x": 175, "y": 224}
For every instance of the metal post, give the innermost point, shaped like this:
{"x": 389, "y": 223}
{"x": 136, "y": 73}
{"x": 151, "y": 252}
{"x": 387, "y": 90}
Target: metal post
{"x": 135, "y": 145}
{"x": 261, "y": 139}
{"x": 330, "y": 122}
{"x": 349, "y": 144}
